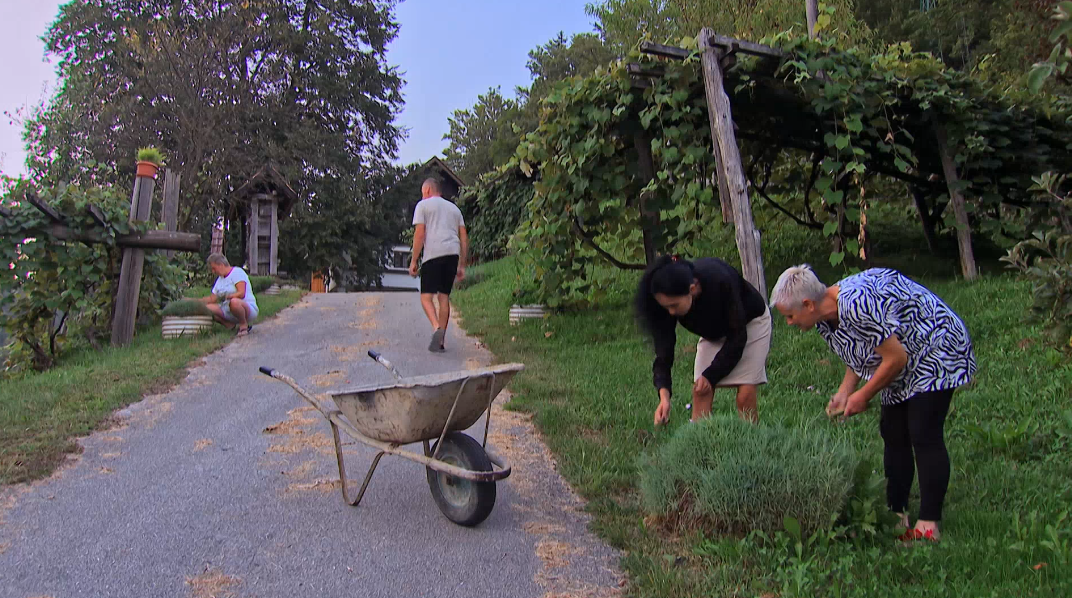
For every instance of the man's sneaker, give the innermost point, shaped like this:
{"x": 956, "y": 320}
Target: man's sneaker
{"x": 436, "y": 346}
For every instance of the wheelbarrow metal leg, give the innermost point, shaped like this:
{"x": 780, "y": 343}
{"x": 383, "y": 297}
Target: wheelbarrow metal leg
{"x": 450, "y": 416}
{"x": 342, "y": 469}
{"x": 487, "y": 420}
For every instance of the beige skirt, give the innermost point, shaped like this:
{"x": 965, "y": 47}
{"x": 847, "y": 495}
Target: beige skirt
{"x": 752, "y": 369}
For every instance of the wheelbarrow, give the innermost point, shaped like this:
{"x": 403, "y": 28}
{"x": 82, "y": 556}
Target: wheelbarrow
{"x": 461, "y": 472}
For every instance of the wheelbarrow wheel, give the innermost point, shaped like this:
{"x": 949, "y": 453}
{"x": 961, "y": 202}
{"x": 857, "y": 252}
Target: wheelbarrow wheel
{"x": 462, "y": 501}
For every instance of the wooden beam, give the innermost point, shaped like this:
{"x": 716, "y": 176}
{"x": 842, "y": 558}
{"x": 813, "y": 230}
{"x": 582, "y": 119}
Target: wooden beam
{"x": 98, "y": 216}
{"x": 161, "y": 239}
{"x": 718, "y": 103}
{"x": 665, "y": 51}
{"x": 44, "y": 208}
{"x": 742, "y": 46}
{"x": 172, "y": 180}
{"x": 960, "y": 212}
{"x": 126, "y": 298}
{"x": 640, "y": 71}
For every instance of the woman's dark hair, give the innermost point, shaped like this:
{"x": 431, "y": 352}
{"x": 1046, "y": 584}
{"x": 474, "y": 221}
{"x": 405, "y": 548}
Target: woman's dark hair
{"x": 669, "y": 275}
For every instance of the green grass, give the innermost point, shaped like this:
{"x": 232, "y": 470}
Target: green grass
{"x": 41, "y": 414}
{"x": 588, "y": 382}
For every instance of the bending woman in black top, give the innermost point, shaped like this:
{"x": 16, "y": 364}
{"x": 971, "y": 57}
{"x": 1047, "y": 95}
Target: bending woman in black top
{"x": 711, "y": 299}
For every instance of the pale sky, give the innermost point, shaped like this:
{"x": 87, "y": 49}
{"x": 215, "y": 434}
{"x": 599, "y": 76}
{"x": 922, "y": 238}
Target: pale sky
{"x": 450, "y": 51}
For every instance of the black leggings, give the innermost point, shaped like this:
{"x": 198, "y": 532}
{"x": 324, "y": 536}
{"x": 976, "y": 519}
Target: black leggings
{"x": 917, "y": 426}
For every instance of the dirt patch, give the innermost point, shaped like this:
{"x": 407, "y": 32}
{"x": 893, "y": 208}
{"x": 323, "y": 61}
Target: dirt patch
{"x": 107, "y": 470}
{"x": 550, "y": 516}
{"x": 111, "y": 455}
{"x": 4, "y": 546}
{"x": 302, "y": 470}
{"x": 202, "y": 444}
{"x": 323, "y": 486}
{"x": 7, "y": 503}
{"x": 291, "y": 435}
{"x": 329, "y": 379}
{"x": 594, "y": 436}
{"x": 356, "y": 352}
{"x": 213, "y": 584}
{"x": 554, "y": 554}
{"x": 111, "y": 439}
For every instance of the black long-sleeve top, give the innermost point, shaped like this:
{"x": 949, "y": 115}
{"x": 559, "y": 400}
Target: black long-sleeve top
{"x": 724, "y": 306}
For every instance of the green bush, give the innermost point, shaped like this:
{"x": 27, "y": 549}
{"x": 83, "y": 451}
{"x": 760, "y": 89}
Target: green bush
{"x": 726, "y": 475}
{"x": 259, "y": 284}
{"x": 1046, "y": 260}
{"x": 185, "y": 307}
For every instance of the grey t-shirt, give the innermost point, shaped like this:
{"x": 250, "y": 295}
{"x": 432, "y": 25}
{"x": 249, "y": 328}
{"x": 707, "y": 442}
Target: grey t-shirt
{"x": 441, "y": 220}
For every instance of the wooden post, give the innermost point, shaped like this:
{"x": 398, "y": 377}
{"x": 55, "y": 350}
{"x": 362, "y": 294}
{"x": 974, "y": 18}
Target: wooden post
{"x": 960, "y": 212}
{"x": 254, "y": 230}
{"x": 172, "y": 180}
{"x": 712, "y": 120}
{"x": 648, "y": 220}
{"x": 812, "y": 7}
{"x": 126, "y": 298}
{"x": 718, "y": 105}
{"x": 273, "y": 239}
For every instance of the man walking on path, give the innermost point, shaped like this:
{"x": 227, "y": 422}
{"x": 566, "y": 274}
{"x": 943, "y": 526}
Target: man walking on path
{"x": 441, "y": 234}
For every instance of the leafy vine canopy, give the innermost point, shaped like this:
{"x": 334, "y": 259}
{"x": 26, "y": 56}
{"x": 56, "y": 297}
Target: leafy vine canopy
{"x": 815, "y": 127}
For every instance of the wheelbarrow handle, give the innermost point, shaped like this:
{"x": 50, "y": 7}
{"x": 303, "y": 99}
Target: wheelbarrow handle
{"x": 267, "y": 371}
{"x": 383, "y": 361}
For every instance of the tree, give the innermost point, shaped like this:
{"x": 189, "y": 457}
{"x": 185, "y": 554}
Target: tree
{"x": 624, "y": 23}
{"x": 1000, "y": 36}
{"x": 223, "y": 86}
{"x": 482, "y": 137}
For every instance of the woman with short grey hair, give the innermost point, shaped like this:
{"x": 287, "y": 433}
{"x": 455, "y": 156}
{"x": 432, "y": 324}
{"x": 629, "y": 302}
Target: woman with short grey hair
{"x": 906, "y": 343}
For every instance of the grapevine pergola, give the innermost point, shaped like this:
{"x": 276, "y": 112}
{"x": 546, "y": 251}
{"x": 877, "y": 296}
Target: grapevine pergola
{"x": 637, "y": 144}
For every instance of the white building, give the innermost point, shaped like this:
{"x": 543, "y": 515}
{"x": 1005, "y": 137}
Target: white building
{"x": 396, "y": 277}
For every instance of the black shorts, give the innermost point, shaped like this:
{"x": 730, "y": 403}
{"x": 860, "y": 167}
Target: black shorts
{"x": 437, "y": 275}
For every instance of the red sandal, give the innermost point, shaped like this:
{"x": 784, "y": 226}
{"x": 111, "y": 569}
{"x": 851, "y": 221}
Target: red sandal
{"x": 914, "y": 535}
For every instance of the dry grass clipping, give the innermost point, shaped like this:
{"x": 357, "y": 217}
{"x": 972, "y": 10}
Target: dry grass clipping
{"x": 292, "y": 437}
{"x": 329, "y": 379}
{"x": 355, "y": 352}
{"x": 213, "y": 584}
{"x": 202, "y": 444}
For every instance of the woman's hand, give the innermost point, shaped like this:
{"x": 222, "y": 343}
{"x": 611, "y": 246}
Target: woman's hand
{"x": 856, "y": 403}
{"x": 836, "y": 406}
{"x": 662, "y": 412}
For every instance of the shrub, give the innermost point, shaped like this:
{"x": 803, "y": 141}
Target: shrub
{"x": 185, "y": 307}
{"x": 1045, "y": 259}
{"x": 726, "y": 475}
{"x": 259, "y": 284}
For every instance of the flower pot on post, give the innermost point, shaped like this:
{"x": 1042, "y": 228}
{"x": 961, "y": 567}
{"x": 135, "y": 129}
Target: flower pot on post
{"x": 147, "y": 169}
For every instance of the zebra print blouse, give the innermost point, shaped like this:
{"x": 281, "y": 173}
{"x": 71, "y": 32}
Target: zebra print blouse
{"x": 878, "y": 303}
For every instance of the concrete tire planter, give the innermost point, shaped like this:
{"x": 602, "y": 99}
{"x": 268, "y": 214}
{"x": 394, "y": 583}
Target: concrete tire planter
{"x": 179, "y": 326}
{"x": 526, "y": 312}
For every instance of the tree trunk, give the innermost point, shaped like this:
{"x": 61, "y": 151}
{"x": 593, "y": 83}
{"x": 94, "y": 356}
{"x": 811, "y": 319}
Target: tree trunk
{"x": 967, "y": 256}
{"x": 926, "y": 219}
{"x": 649, "y": 220}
